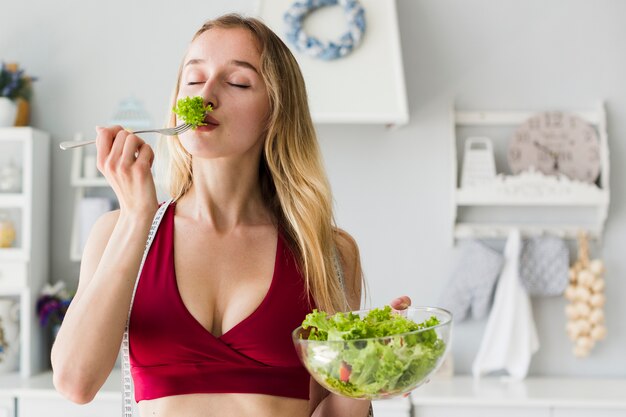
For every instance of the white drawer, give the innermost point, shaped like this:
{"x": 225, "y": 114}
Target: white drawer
{"x": 479, "y": 411}
{"x": 12, "y": 274}
{"x": 397, "y": 407}
{"x": 60, "y": 407}
{"x": 586, "y": 412}
{"x": 7, "y": 406}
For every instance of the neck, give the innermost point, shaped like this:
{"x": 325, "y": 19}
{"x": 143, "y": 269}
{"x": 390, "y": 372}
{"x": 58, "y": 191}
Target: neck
{"x": 225, "y": 195}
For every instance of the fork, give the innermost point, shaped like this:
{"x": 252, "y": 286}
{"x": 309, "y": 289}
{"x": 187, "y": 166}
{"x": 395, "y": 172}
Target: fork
{"x": 170, "y": 131}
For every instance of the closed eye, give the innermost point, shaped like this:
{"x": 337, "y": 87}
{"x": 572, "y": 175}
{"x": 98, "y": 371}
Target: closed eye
{"x": 195, "y": 82}
{"x": 239, "y": 85}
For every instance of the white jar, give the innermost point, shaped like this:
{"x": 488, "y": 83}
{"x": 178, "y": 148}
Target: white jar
{"x": 10, "y": 178}
{"x": 7, "y": 231}
{"x": 8, "y": 112}
{"x": 9, "y": 335}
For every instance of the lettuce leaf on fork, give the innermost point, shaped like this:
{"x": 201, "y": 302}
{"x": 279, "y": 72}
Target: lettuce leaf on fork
{"x": 192, "y": 110}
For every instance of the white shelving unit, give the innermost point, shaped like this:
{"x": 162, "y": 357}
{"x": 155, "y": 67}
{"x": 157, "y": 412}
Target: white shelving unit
{"x": 80, "y": 183}
{"x": 532, "y": 202}
{"x": 24, "y": 267}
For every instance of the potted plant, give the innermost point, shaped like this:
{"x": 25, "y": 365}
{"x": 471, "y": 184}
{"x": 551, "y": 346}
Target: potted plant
{"x": 15, "y": 93}
{"x": 52, "y": 305}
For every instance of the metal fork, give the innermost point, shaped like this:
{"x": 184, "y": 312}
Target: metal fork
{"x": 170, "y": 131}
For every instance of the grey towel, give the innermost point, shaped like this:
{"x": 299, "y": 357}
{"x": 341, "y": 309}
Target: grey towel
{"x": 472, "y": 282}
{"x": 544, "y": 266}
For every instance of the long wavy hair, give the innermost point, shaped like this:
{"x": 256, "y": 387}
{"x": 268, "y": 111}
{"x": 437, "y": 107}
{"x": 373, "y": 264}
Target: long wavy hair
{"x": 291, "y": 173}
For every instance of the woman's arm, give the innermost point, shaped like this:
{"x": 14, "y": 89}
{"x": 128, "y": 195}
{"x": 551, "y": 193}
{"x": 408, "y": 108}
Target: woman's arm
{"x": 88, "y": 342}
{"x": 334, "y": 405}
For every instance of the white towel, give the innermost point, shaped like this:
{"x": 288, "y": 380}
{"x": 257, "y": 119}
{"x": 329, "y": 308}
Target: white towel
{"x": 510, "y": 337}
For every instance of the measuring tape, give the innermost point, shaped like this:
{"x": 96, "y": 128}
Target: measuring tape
{"x": 127, "y": 381}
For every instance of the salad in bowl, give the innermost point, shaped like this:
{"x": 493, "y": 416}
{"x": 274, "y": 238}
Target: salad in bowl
{"x": 373, "y": 354}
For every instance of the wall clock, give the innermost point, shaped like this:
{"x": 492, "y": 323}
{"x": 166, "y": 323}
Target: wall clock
{"x": 556, "y": 143}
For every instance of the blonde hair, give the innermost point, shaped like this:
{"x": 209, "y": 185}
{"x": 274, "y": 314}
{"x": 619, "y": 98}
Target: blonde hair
{"x": 292, "y": 177}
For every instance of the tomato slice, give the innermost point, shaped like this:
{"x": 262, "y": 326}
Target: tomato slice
{"x": 344, "y": 372}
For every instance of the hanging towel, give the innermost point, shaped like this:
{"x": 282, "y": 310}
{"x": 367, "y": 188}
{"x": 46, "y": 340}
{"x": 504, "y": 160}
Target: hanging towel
{"x": 544, "y": 266}
{"x": 510, "y": 337}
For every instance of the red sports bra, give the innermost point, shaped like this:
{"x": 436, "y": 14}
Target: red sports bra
{"x": 171, "y": 353}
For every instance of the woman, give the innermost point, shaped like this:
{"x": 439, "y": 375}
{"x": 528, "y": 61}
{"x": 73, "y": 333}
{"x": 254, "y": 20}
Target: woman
{"x": 244, "y": 250}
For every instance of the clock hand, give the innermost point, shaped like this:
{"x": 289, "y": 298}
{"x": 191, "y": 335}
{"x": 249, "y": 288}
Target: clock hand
{"x": 554, "y": 155}
{"x": 546, "y": 149}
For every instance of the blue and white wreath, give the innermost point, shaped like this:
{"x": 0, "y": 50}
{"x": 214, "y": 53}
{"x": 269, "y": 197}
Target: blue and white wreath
{"x": 325, "y": 50}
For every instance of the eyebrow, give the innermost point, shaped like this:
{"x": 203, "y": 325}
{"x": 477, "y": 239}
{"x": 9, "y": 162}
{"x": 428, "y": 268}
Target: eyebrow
{"x": 239, "y": 63}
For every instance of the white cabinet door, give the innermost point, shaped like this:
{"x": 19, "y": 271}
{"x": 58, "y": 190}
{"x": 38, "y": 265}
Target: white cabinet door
{"x": 7, "y": 406}
{"x": 397, "y": 407}
{"x": 53, "y": 407}
{"x": 587, "y": 412}
{"x": 480, "y": 411}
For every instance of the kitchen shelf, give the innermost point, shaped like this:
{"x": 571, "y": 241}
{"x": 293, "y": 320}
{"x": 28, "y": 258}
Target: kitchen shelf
{"x": 24, "y": 268}
{"x": 89, "y": 182}
{"x": 13, "y": 254}
{"x": 465, "y": 198}
{"x": 532, "y": 189}
{"x": 530, "y": 201}
{"x": 12, "y": 200}
{"x": 502, "y": 230}
{"x": 10, "y": 292}
{"x": 81, "y": 185}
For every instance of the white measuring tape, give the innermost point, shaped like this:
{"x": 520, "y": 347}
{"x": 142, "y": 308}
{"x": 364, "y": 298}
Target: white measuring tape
{"x": 127, "y": 381}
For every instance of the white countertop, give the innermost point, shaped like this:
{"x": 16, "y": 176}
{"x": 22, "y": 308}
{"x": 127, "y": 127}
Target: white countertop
{"x": 41, "y": 386}
{"x": 531, "y": 392}
{"x": 458, "y": 390}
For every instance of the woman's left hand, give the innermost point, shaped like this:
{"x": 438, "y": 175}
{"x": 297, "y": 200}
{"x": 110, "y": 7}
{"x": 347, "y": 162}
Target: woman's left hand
{"x": 401, "y": 303}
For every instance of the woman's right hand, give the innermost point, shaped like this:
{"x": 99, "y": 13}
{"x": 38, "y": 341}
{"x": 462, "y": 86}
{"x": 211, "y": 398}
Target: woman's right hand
{"x": 125, "y": 161}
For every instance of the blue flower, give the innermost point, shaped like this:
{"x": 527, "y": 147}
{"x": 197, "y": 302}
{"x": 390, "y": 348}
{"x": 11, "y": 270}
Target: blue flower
{"x": 14, "y": 83}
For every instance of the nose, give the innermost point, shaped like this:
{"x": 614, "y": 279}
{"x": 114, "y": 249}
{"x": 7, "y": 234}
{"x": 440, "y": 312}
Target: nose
{"x": 209, "y": 93}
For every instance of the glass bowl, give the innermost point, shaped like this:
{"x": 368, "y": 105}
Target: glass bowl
{"x": 382, "y": 367}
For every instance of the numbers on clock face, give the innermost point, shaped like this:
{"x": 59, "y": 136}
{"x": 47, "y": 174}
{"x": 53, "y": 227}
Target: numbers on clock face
{"x": 556, "y": 143}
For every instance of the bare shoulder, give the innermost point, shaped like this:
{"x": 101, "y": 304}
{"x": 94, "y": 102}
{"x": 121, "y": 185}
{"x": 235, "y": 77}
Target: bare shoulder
{"x": 347, "y": 246}
{"x": 96, "y": 243}
{"x": 102, "y": 229}
{"x": 351, "y": 264}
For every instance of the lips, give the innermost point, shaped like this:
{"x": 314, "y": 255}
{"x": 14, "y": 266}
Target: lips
{"x": 211, "y": 121}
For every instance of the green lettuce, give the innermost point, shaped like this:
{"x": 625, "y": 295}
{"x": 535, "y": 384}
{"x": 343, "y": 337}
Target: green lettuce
{"x": 364, "y": 364}
{"x": 192, "y": 110}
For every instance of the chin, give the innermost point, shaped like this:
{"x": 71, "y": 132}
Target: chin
{"x": 197, "y": 146}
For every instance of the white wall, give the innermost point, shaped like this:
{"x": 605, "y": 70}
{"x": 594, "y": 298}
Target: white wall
{"x": 391, "y": 187}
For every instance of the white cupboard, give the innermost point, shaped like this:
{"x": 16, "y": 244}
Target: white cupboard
{"x": 24, "y": 201}
{"x": 464, "y": 396}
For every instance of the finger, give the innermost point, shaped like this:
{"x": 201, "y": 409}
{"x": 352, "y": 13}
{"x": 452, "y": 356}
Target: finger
{"x": 132, "y": 143}
{"x": 118, "y": 144}
{"x": 104, "y": 142}
{"x": 401, "y": 303}
{"x": 145, "y": 154}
